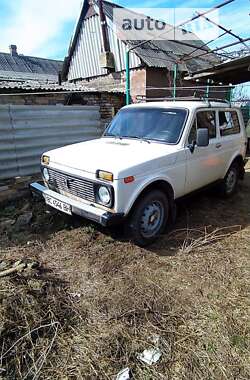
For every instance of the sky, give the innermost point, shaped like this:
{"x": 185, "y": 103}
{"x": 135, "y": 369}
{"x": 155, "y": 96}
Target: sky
{"x": 43, "y": 28}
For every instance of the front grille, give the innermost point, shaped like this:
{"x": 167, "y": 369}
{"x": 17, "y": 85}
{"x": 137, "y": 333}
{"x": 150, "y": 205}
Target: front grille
{"x": 79, "y": 187}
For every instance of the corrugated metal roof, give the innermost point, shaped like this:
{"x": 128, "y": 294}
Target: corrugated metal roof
{"x": 16, "y": 75}
{"x": 165, "y": 53}
{"x": 234, "y": 71}
{"x": 162, "y": 53}
{"x": 67, "y": 86}
{"x": 25, "y": 67}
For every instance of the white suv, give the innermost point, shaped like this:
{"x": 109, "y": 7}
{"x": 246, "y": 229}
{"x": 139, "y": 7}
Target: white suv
{"x": 150, "y": 155}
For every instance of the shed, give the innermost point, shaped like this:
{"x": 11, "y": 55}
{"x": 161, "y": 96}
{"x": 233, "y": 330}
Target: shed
{"x": 151, "y": 64}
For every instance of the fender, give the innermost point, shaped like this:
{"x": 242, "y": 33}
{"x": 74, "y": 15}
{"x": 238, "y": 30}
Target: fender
{"x": 146, "y": 183}
{"x": 239, "y": 157}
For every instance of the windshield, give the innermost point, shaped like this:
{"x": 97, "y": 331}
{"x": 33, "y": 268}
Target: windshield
{"x": 159, "y": 124}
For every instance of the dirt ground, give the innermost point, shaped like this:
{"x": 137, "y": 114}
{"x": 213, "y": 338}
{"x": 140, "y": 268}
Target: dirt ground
{"x": 95, "y": 301}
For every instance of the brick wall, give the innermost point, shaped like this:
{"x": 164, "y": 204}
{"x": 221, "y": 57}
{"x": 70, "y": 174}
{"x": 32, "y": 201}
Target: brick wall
{"x": 156, "y": 79}
{"x": 138, "y": 83}
{"x": 141, "y": 79}
{"x": 109, "y": 103}
{"x": 102, "y": 83}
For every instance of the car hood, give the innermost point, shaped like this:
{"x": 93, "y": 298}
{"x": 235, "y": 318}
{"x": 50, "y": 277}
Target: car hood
{"x": 110, "y": 154}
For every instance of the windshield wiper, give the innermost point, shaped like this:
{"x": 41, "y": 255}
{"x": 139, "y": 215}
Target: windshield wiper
{"x": 115, "y": 136}
{"x": 128, "y": 137}
{"x": 136, "y": 137}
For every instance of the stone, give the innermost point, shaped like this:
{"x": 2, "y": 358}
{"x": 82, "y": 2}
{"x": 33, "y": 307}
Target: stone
{"x": 24, "y": 219}
{"x": 125, "y": 374}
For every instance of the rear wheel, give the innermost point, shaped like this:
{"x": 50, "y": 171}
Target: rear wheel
{"x": 149, "y": 217}
{"x": 230, "y": 182}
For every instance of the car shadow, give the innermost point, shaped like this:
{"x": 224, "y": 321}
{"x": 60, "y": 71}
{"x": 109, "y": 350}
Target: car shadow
{"x": 201, "y": 213}
{"x": 206, "y": 214}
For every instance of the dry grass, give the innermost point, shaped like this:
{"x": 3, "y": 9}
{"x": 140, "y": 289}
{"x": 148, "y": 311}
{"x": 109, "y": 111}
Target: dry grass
{"x": 96, "y": 302}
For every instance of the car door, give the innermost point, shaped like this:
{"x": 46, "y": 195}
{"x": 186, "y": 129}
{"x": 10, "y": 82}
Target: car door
{"x": 231, "y": 140}
{"x": 203, "y": 163}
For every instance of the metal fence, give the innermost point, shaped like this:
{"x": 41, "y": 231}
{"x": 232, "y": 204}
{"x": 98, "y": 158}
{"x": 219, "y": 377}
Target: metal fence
{"x": 28, "y": 131}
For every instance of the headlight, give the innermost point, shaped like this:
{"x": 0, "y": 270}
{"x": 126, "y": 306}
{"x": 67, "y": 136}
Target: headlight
{"x": 45, "y": 160}
{"x": 46, "y": 174}
{"x": 104, "y": 195}
{"x": 102, "y": 174}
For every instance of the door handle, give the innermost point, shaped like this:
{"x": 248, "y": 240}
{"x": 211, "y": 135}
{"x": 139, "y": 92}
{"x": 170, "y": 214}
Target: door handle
{"x": 218, "y": 146}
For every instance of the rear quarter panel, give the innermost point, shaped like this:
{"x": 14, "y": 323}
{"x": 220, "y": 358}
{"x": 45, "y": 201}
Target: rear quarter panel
{"x": 236, "y": 144}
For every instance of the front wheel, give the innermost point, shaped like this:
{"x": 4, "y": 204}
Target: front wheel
{"x": 149, "y": 218}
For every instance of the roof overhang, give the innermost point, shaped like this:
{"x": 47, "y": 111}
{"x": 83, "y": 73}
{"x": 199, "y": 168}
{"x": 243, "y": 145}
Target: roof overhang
{"x": 235, "y": 71}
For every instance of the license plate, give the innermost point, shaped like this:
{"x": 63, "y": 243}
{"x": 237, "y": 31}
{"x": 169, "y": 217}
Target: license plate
{"x": 61, "y": 206}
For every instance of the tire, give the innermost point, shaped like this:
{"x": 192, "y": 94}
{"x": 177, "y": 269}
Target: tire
{"x": 149, "y": 218}
{"x": 230, "y": 181}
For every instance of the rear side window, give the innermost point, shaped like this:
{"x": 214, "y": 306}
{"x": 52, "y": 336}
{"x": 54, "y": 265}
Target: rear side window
{"x": 228, "y": 123}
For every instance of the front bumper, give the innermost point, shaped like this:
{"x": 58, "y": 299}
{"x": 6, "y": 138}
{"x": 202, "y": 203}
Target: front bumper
{"x": 85, "y": 210}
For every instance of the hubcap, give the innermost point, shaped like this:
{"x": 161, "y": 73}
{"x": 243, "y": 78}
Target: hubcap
{"x": 152, "y": 219}
{"x": 231, "y": 181}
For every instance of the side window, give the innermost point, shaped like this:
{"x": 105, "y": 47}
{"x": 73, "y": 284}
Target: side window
{"x": 206, "y": 119}
{"x": 228, "y": 123}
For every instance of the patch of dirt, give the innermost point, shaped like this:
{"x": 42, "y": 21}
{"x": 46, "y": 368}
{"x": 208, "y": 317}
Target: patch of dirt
{"x": 96, "y": 301}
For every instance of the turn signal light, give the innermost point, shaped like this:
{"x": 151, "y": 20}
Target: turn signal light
{"x": 45, "y": 160}
{"x": 107, "y": 176}
{"x": 129, "y": 179}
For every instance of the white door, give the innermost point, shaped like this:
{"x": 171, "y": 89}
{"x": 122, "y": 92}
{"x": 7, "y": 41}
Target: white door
{"x": 231, "y": 139}
{"x": 204, "y": 163}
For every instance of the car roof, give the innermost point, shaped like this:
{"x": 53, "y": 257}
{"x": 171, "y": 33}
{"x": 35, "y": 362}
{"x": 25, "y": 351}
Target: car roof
{"x": 188, "y": 104}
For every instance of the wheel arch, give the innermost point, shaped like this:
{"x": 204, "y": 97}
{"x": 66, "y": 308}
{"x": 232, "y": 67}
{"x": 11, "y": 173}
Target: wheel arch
{"x": 238, "y": 159}
{"x": 165, "y": 187}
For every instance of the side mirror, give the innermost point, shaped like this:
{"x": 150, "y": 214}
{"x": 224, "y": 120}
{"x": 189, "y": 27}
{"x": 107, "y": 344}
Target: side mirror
{"x": 202, "y": 138}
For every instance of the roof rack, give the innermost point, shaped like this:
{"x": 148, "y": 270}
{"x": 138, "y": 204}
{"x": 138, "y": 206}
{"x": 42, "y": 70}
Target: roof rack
{"x": 191, "y": 98}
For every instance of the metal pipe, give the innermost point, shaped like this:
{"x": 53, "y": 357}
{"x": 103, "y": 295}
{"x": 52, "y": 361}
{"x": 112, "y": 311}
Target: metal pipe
{"x": 223, "y": 47}
{"x": 188, "y": 87}
{"x": 207, "y": 88}
{"x": 175, "y": 77}
{"x": 225, "y": 30}
{"x": 190, "y": 20}
{"x": 229, "y": 95}
{"x": 173, "y": 28}
{"x": 127, "y": 78}
{"x": 188, "y": 56}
